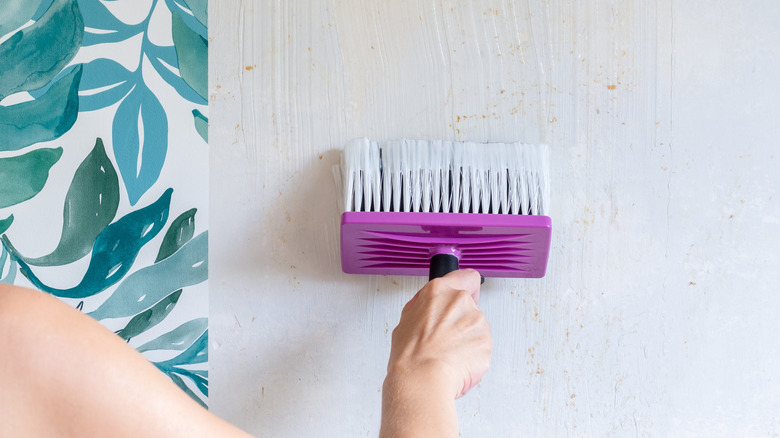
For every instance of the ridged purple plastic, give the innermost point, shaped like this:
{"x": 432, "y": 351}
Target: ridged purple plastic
{"x": 400, "y": 243}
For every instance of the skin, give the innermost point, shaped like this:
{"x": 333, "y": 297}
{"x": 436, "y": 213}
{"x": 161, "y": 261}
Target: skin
{"x": 63, "y": 374}
{"x": 440, "y": 350}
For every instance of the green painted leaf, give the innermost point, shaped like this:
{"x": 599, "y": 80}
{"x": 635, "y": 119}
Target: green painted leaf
{"x": 147, "y": 286}
{"x": 150, "y": 317}
{"x": 42, "y": 119}
{"x": 113, "y": 253}
{"x": 90, "y": 205}
{"x": 199, "y": 9}
{"x": 196, "y": 353}
{"x": 201, "y": 125}
{"x": 200, "y": 377}
{"x": 180, "y": 232}
{"x": 24, "y": 176}
{"x": 16, "y": 13}
{"x": 5, "y": 223}
{"x": 183, "y": 386}
{"x": 11, "y": 275}
{"x": 179, "y": 338}
{"x": 34, "y": 55}
{"x": 192, "y": 51}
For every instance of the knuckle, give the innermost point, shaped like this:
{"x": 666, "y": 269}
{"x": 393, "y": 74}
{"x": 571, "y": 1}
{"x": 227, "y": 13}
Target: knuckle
{"x": 462, "y": 294}
{"x": 476, "y": 276}
{"x": 437, "y": 283}
{"x": 472, "y": 272}
{"x": 435, "y": 287}
{"x": 465, "y": 298}
{"x": 468, "y": 271}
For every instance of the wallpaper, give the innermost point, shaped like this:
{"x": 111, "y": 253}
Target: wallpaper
{"x": 104, "y": 168}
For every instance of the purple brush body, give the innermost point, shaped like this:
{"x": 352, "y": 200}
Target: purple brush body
{"x": 417, "y": 208}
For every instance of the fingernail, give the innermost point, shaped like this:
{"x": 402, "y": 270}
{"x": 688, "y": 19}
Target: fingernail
{"x": 481, "y": 279}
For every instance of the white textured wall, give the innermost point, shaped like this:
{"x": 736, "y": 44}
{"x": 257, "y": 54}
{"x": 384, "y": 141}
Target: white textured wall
{"x": 658, "y": 315}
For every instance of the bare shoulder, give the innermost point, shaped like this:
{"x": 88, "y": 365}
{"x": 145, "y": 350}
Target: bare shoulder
{"x": 12, "y": 295}
{"x": 20, "y": 306}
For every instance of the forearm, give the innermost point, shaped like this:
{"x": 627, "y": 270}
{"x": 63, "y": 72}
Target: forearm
{"x": 419, "y": 405}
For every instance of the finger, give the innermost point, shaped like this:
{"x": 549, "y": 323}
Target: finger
{"x": 465, "y": 279}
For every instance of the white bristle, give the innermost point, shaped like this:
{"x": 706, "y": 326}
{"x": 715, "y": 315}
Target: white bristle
{"x": 443, "y": 176}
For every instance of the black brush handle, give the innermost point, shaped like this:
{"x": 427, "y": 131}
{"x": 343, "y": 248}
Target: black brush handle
{"x": 441, "y": 265}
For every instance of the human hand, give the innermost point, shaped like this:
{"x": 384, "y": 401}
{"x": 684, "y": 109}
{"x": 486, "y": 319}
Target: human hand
{"x": 443, "y": 338}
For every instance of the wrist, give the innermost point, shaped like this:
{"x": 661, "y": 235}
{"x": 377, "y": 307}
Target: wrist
{"x": 418, "y": 402}
{"x": 427, "y": 376}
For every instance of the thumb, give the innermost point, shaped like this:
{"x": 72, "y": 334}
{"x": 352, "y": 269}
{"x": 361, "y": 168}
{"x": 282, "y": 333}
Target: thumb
{"x": 465, "y": 279}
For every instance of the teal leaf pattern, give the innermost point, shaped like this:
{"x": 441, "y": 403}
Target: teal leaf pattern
{"x": 114, "y": 251}
{"x": 110, "y": 29}
{"x": 127, "y": 144}
{"x": 142, "y": 289}
{"x": 193, "y": 54}
{"x": 180, "y": 232}
{"x": 152, "y": 98}
{"x": 106, "y": 81}
{"x": 42, "y": 119}
{"x": 180, "y": 383}
{"x": 151, "y": 317}
{"x": 189, "y": 17}
{"x": 199, "y": 9}
{"x": 201, "y": 125}
{"x": 34, "y": 55}
{"x": 7, "y": 275}
{"x": 90, "y": 206}
{"x": 24, "y": 176}
{"x": 178, "y": 338}
{"x": 15, "y": 14}
{"x": 195, "y": 353}
{"x": 5, "y": 223}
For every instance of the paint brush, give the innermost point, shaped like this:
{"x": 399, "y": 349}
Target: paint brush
{"x": 416, "y": 207}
